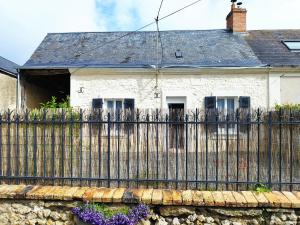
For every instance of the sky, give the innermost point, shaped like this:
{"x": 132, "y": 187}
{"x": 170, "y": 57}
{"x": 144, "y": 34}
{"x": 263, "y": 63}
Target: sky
{"x": 24, "y": 23}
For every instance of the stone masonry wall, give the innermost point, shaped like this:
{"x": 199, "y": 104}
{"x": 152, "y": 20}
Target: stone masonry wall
{"x": 33, "y": 212}
{"x": 192, "y": 87}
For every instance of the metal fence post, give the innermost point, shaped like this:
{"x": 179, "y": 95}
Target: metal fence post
{"x": 270, "y": 151}
{"x": 108, "y": 148}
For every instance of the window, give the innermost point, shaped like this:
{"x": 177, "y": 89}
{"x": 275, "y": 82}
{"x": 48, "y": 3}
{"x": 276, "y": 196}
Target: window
{"x": 114, "y": 104}
{"x": 226, "y": 105}
{"x": 293, "y": 45}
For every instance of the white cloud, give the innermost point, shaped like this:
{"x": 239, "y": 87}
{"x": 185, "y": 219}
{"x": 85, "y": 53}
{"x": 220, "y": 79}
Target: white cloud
{"x": 23, "y": 24}
{"x": 210, "y": 14}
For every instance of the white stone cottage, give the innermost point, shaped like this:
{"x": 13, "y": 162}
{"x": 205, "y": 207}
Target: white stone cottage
{"x": 228, "y": 69}
{"x": 8, "y": 84}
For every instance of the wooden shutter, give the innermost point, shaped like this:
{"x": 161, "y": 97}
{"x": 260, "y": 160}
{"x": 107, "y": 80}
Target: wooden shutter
{"x": 244, "y": 102}
{"x": 129, "y": 103}
{"x": 210, "y": 107}
{"x": 97, "y": 103}
{"x": 210, "y": 102}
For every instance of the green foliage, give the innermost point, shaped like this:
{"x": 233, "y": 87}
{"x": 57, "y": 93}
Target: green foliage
{"x": 53, "y": 104}
{"x": 261, "y": 188}
{"x": 106, "y": 211}
{"x": 287, "y": 107}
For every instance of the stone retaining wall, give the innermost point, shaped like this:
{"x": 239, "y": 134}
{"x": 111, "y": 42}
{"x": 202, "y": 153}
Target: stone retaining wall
{"x": 33, "y": 212}
{"x": 21, "y": 204}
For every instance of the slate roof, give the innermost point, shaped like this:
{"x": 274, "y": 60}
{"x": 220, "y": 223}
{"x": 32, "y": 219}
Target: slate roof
{"x": 200, "y": 48}
{"x": 268, "y": 46}
{"x": 8, "y": 66}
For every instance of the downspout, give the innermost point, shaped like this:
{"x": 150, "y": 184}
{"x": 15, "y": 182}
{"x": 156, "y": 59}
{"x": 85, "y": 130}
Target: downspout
{"x": 269, "y": 90}
{"x": 18, "y": 91}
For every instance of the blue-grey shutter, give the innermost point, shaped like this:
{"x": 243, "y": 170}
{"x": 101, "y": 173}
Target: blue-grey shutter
{"x": 210, "y": 102}
{"x": 244, "y": 102}
{"x": 129, "y": 103}
{"x": 97, "y": 103}
{"x": 210, "y": 107}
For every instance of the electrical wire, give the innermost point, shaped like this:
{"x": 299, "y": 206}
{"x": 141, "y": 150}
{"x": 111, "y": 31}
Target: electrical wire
{"x": 132, "y": 32}
{"x": 161, "y": 3}
{"x": 141, "y": 28}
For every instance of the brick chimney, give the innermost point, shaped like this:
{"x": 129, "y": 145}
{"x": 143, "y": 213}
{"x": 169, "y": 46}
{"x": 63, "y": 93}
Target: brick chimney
{"x": 237, "y": 19}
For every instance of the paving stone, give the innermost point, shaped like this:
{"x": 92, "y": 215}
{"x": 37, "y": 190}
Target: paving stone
{"x": 261, "y": 199}
{"x": 198, "y": 198}
{"x": 297, "y": 194}
{"x": 177, "y": 197}
{"x": 108, "y": 195}
{"x": 293, "y": 198}
{"x": 240, "y": 200}
{"x": 208, "y": 198}
{"x": 22, "y": 193}
{"x": 147, "y": 196}
{"x": 138, "y": 193}
{"x": 251, "y": 200}
{"x": 273, "y": 199}
{"x": 8, "y": 191}
{"x": 218, "y": 198}
{"x": 69, "y": 193}
{"x": 61, "y": 192}
{"x": 133, "y": 195}
{"x": 118, "y": 195}
{"x": 228, "y": 198}
{"x": 187, "y": 197}
{"x": 11, "y": 190}
{"x": 167, "y": 197}
{"x": 50, "y": 193}
{"x": 157, "y": 197}
{"x": 97, "y": 194}
{"x": 80, "y": 192}
{"x": 31, "y": 194}
{"x": 284, "y": 201}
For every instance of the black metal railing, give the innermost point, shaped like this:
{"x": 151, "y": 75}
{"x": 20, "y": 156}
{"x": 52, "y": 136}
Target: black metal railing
{"x": 144, "y": 148}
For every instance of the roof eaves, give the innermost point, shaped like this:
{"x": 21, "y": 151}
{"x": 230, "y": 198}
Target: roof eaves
{"x": 8, "y": 72}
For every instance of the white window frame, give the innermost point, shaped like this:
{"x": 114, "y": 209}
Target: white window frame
{"x": 287, "y": 42}
{"x": 114, "y": 100}
{"x": 231, "y": 130}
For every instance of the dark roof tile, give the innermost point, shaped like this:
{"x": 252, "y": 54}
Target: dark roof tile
{"x": 268, "y": 46}
{"x": 212, "y": 48}
{"x": 8, "y": 66}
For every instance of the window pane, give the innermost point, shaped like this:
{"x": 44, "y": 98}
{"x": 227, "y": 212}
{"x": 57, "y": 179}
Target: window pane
{"x": 110, "y": 104}
{"x": 221, "y": 104}
{"x": 119, "y": 105}
{"x": 230, "y": 105}
{"x": 293, "y": 45}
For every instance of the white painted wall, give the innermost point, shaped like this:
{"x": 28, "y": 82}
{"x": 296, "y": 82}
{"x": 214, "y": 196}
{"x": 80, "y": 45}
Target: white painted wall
{"x": 8, "y": 92}
{"x": 290, "y": 88}
{"x": 194, "y": 85}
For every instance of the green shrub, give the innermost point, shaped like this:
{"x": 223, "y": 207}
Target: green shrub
{"x": 261, "y": 188}
{"x": 53, "y": 104}
{"x": 294, "y": 107}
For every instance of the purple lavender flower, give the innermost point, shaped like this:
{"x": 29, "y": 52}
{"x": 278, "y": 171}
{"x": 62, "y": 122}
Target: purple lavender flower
{"x": 138, "y": 213}
{"x": 91, "y": 216}
{"x": 119, "y": 219}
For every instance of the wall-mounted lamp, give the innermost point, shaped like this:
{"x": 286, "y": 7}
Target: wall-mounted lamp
{"x": 156, "y": 95}
{"x": 80, "y": 91}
